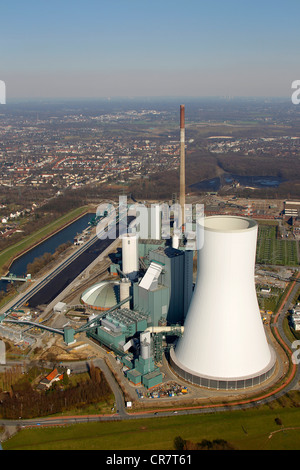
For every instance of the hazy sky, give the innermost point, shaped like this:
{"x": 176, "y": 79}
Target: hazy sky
{"x": 100, "y": 48}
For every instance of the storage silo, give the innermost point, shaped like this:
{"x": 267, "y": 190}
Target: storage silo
{"x": 125, "y": 292}
{"x": 145, "y": 345}
{"x": 224, "y": 344}
{"x": 130, "y": 255}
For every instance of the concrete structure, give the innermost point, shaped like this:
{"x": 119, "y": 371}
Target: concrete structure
{"x": 224, "y": 344}
{"x": 147, "y": 225}
{"x": 117, "y": 327}
{"x": 166, "y": 289}
{"x": 295, "y": 318}
{"x": 60, "y": 307}
{"x": 177, "y": 276}
{"x": 69, "y": 336}
{"x": 102, "y": 296}
{"x": 147, "y": 245}
{"x": 130, "y": 258}
{"x": 182, "y": 160}
{"x": 125, "y": 286}
{"x": 292, "y": 208}
{"x": 11, "y": 333}
{"x": 142, "y": 371}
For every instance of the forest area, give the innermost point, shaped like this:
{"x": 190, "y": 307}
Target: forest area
{"x": 19, "y": 396}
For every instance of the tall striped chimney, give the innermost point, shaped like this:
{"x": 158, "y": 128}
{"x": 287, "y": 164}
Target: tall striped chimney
{"x": 182, "y": 161}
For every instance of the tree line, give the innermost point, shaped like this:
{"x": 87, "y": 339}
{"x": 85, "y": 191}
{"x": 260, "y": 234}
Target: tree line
{"x": 205, "y": 444}
{"x": 40, "y": 262}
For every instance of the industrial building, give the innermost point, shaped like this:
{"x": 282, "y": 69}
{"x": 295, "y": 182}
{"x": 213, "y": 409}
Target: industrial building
{"x": 158, "y": 280}
{"x": 295, "y": 318}
{"x": 292, "y": 208}
{"x": 165, "y": 291}
{"x": 118, "y": 327}
{"x": 142, "y": 370}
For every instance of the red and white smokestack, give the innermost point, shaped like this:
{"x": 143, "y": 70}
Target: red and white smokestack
{"x": 182, "y": 161}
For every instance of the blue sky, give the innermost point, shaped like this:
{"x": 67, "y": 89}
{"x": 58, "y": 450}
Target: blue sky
{"x": 98, "y": 48}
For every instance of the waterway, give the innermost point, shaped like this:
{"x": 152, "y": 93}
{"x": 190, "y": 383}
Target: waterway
{"x": 67, "y": 234}
{"x": 64, "y": 277}
{"x": 54, "y": 287}
{"x": 215, "y": 184}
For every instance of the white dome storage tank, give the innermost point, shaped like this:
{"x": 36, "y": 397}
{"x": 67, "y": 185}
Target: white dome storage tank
{"x": 130, "y": 255}
{"x": 224, "y": 343}
{"x": 101, "y": 296}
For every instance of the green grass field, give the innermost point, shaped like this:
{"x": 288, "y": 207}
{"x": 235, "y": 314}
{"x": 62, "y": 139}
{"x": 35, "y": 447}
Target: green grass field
{"x": 245, "y": 430}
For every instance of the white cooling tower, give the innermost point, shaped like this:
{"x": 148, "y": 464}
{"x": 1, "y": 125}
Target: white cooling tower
{"x": 130, "y": 255}
{"x": 224, "y": 345}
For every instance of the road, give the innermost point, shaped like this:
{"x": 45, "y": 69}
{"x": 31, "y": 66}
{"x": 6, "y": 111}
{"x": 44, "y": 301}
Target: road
{"x": 279, "y": 330}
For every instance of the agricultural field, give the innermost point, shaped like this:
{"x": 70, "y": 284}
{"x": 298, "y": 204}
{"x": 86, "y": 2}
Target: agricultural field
{"x": 271, "y": 250}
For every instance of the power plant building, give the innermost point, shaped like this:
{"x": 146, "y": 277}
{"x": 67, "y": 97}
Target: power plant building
{"x": 117, "y": 327}
{"x": 166, "y": 290}
{"x": 143, "y": 370}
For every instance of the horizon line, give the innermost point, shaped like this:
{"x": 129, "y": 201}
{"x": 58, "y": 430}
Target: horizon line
{"x": 131, "y": 97}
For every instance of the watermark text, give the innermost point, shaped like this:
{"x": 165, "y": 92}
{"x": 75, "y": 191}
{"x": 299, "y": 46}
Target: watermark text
{"x": 159, "y": 221}
{"x": 2, "y": 92}
{"x": 2, "y": 353}
{"x": 296, "y": 94}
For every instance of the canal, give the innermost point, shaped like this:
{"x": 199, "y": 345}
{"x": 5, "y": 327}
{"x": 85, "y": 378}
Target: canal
{"x": 67, "y": 234}
{"x": 66, "y": 273}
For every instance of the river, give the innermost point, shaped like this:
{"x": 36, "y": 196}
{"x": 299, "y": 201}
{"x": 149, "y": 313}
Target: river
{"x": 214, "y": 184}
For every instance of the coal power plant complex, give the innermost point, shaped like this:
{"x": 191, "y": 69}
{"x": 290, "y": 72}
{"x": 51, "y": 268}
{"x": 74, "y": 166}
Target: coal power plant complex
{"x": 218, "y": 342}
{"x": 153, "y": 307}
{"x": 176, "y": 299}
